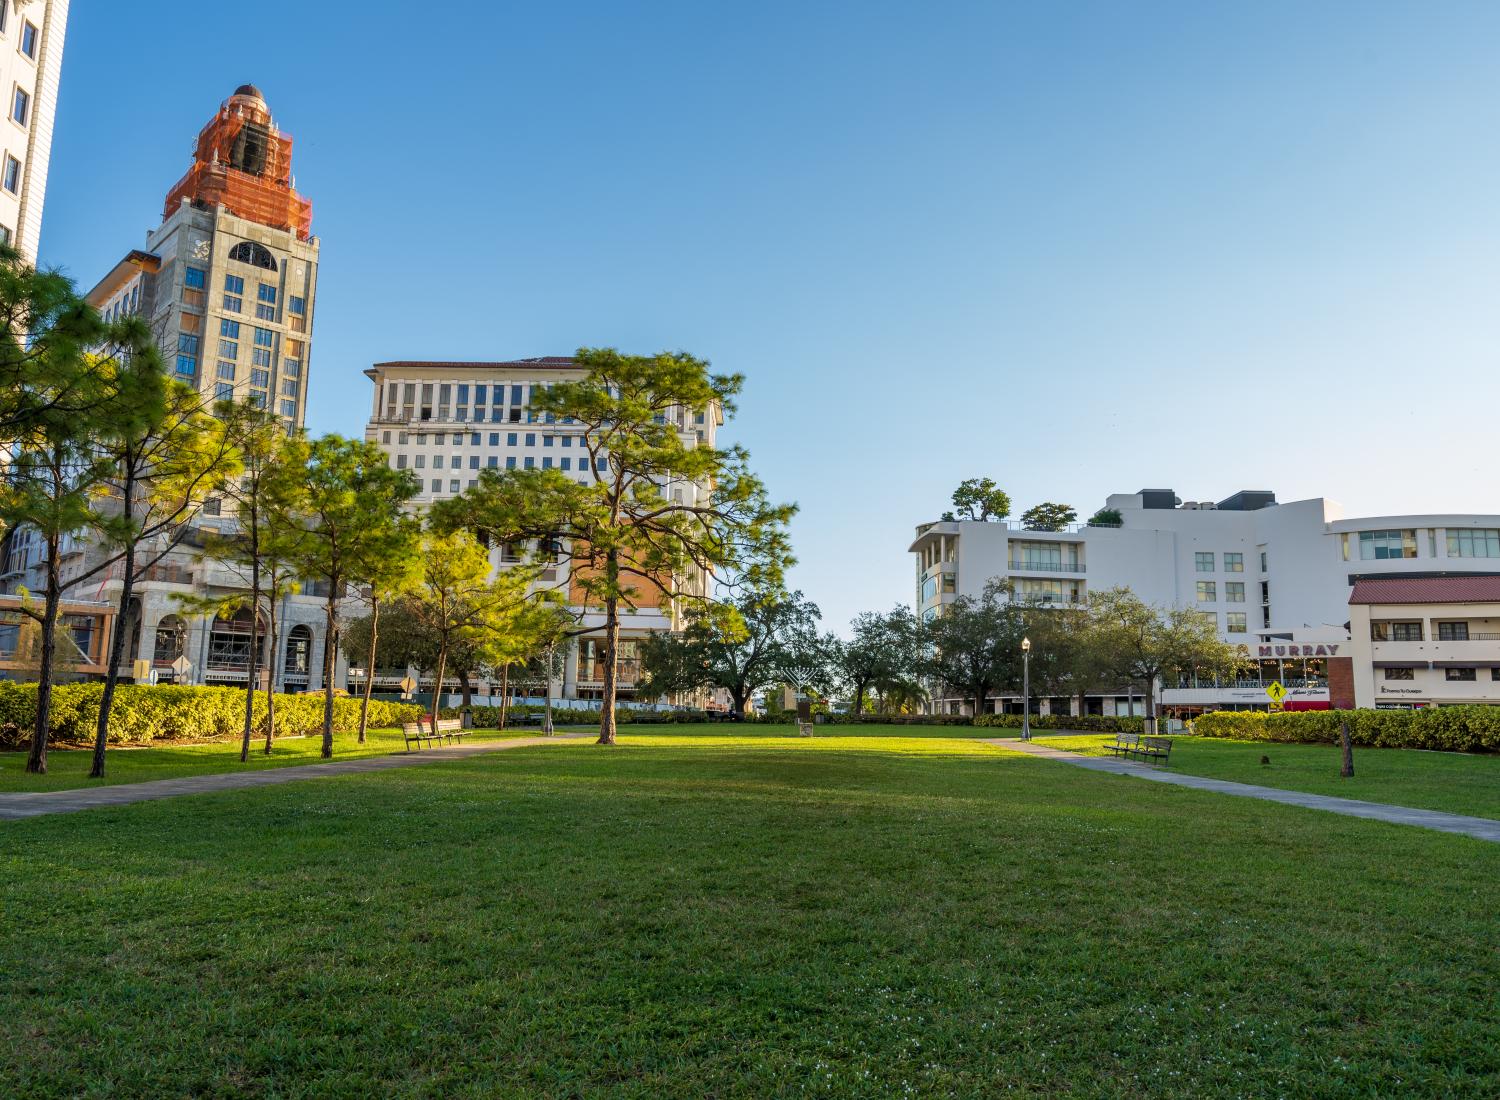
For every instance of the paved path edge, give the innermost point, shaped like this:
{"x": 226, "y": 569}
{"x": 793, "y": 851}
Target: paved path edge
{"x": 1481, "y": 828}
{"x": 24, "y": 804}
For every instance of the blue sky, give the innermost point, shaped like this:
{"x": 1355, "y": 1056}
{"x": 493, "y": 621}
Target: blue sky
{"x": 1079, "y": 248}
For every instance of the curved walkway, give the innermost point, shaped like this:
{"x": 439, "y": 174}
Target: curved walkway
{"x": 1481, "y": 828}
{"x": 36, "y": 803}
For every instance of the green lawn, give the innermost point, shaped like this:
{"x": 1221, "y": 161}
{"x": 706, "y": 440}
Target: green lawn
{"x": 69, "y": 767}
{"x": 1459, "y": 783}
{"x": 737, "y": 913}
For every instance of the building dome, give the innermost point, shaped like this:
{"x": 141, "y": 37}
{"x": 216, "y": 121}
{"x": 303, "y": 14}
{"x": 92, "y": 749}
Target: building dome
{"x": 250, "y": 90}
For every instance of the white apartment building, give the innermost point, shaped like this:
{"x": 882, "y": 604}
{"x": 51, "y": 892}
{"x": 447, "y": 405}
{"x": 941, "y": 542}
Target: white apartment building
{"x": 448, "y": 421}
{"x": 1270, "y": 575}
{"x": 1425, "y": 641}
{"x": 31, "y": 51}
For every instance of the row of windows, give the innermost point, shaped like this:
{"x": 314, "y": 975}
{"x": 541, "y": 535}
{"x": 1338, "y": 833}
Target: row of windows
{"x": 419, "y": 462}
{"x": 511, "y": 438}
{"x": 1234, "y": 591}
{"x": 30, "y": 38}
{"x": 1479, "y": 542}
{"x": 1235, "y": 622}
{"x": 1411, "y": 631}
{"x": 454, "y": 486}
{"x": 1452, "y": 675}
{"x": 1234, "y": 561}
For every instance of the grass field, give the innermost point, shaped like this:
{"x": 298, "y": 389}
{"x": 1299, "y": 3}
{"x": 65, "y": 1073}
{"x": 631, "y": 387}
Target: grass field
{"x": 1459, "y": 783}
{"x": 743, "y": 914}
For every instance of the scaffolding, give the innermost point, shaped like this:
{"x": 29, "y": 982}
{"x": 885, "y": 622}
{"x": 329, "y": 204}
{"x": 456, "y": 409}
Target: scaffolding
{"x": 243, "y": 163}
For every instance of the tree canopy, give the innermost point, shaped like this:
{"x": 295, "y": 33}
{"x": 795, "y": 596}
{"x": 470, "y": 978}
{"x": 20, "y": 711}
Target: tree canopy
{"x": 981, "y": 500}
{"x": 1048, "y": 517}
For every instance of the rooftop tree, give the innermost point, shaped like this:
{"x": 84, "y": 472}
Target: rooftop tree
{"x": 658, "y": 512}
{"x": 1048, "y": 517}
{"x": 979, "y": 499}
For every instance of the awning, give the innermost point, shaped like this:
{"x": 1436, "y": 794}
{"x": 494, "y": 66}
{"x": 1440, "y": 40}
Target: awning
{"x": 1401, "y": 664}
{"x": 1466, "y": 664}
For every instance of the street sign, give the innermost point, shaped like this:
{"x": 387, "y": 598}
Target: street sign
{"x": 181, "y": 667}
{"x": 408, "y": 685}
{"x": 1277, "y": 691}
{"x": 141, "y": 671}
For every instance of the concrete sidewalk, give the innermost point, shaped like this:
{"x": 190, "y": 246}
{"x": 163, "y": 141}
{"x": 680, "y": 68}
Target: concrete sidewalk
{"x": 1481, "y": 828}
{"x": 36, "y": 803}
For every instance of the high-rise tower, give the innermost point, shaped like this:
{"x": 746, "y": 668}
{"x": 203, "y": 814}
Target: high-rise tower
{"x": 234, "y": 297}
{"x": 31, "y": 49}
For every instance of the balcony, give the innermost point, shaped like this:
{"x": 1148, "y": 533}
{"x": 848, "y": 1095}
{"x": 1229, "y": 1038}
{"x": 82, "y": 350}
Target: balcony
{"x": 1046, "y": 567}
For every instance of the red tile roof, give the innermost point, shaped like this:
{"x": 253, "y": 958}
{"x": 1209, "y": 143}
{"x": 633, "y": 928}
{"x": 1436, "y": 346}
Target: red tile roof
{"x": 1459, "y": 589}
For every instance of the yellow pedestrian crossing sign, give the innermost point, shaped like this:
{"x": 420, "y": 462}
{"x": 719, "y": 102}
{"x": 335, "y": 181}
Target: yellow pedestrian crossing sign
{"x": 1277, "y": 691}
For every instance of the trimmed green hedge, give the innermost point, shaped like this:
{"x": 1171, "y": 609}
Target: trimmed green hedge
{"x": 142, "y": 714}
{"x": 1449, "y": 729}
{"x": 1084, "y": 723}
{"x": 487, "y": 717}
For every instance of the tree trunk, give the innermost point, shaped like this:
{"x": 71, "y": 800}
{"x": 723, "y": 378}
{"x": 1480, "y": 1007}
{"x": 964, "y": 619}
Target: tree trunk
{"x": 1347, "y": 771}
{"x": 611, "y": 643}
{"x": 504, "y": 693}
{"x": 979, "y": 697}
{"x": 271, "y": 671}
{"x": 437, "y": 686}
{"x": 859, "y": 700}
{"x": 116, "y": 651}
{"x": 364, "y": 703}
{"x": 36, "y": 759}
{"x": 547, "y": 687}
{"x": 329, "y": 641}
{"x": 467, "y": 691}
{"x": 254, "y": 638}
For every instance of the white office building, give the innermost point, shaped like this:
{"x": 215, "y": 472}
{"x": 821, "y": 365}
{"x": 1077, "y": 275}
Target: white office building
{"x": 448, "y": 421}
{"x": 1273, "y": 577}
{"x": 31, "y": 51}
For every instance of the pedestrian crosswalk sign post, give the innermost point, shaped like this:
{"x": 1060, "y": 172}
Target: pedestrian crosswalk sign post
{"x": 1277, "y": 691}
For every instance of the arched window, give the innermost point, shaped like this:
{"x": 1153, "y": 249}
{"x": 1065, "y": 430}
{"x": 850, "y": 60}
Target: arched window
{"x": 298, "y": 651}
{"x": 248, "y": 252}
{"x": 170, "y": 634}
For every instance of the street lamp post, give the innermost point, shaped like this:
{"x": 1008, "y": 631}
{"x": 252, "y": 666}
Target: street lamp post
{"x": 1025, "y": 689}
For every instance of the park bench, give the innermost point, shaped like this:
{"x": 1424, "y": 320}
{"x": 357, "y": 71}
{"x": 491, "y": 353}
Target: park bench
{"x": 451, "y": 728}
{"x": 1124, "y": 744}
{"x": 416, "y": 733}
{"x": 1154, "y": 748}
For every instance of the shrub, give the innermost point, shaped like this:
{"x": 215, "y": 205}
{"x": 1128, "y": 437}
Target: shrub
{"x": 1086, "y": 723}
{"x": 142, "y": 713}
{"x": 1448, "y": 729}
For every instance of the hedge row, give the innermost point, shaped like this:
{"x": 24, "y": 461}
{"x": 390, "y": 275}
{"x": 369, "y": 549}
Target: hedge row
{"x": 487, "y": 717}
{"x": 1449, "y": 729}
{"x": 142, "y": 714}
{"x": 1084, "y": 723}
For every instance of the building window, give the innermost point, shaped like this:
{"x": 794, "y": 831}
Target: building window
{"x": 7, "y": 234}
{"x": 421, "y": 462}
{"x": 248, "y": 252}
{"x": 224, "y": 391}
{"x": 531, "y": 439}
{"x": 187, "y": 365}
{"x": 400, "y": 462}
{"x": 12, "y": 174}
{"x": 265, "y": 292}
{"x": 232, "y": 304}
{"x": 226, "y": 371}
{"x": 20, "y": 106}
{"x": 492, "y": 462}
{"x": 29, "y": 39}
{"x": 296, "y": 306}
{"x": 257, "y": 399}
{"x": 289, "y": 389}
{"x": 1234, "y": 563}
{"x": 1234, "y": 591}
{"x": 1400, "y": 674}
{"x": 437, "y": 462}
{"x": 261, "y": 357}
{"x": 1380, "y": 545}
{"x": 187, "y": 342}
{"x": 289, "y": 409}
{"x": 264, "y": 312}
{"x": 1453, "y": 632}
{"x": 510, "y": 439}
{"x": 1395, "y": 632}
{"x": 1477, "y": 543}
{"x": 229, "y": 349}
{"x": 265, "y": 337}
{"x": 1208, "y": 591}
{"x": 261, "y": 378}
{"x": 530, "y": 462}
{"x": 1234, "y": 622}
{"x": 1460, "y": 675}
{"x": 234, "y": 284}
{"x": 473, "y": 462}
{"x": 1203, "y": 561}
{"x": 567, "y": 464}
{"x": 292, "y": 368}
{"x": 437, "y": 486}
{"x": 229, "y": 328}
{"x": 195, "y": 277}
